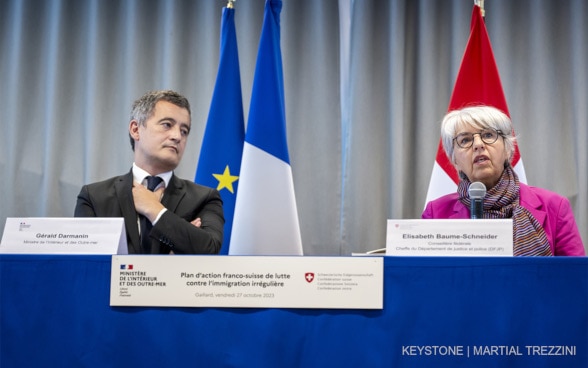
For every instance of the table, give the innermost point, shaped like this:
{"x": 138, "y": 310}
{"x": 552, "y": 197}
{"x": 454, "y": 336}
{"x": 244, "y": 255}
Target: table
{"x": 438, "y": 312}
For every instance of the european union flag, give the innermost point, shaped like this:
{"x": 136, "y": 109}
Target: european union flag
{"x": 222, "y": 146}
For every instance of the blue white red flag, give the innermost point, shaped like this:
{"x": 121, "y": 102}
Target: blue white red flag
{"x": 266, "y": 216}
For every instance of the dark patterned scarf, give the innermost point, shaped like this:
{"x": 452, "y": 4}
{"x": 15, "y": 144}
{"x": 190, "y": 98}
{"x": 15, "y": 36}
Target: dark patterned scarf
{"x": 502, "y": 201}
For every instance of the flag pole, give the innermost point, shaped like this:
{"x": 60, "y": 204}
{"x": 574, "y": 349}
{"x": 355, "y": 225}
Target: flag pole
{"x": 230, "y": 4}
{"x": 480, "y": 3}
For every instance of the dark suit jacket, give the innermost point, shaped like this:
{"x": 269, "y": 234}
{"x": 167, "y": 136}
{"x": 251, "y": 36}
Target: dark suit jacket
{"x": 184, "y": 201}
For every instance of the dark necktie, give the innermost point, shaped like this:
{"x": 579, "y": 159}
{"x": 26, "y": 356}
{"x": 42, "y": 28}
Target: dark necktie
{"x": 152, "y": 183}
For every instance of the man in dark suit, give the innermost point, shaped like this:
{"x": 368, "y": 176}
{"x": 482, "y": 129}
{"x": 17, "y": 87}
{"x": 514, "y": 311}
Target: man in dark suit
{"x": 186, "y": 218}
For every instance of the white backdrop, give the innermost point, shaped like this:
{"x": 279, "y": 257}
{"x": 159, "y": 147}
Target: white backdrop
{"x": 366, "y": 84}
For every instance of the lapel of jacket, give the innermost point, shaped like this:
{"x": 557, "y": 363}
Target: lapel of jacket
{"x": 123, "y": 187}
{"x": 173, "y": 194}
{"x": 460, "y": 211}
{"x": 530, "y": 201}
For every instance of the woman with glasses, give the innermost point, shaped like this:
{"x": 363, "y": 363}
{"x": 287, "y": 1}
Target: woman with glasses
{"x": 479, "y": 141}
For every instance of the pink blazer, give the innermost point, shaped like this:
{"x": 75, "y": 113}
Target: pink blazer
{"x": 552, "y": 211}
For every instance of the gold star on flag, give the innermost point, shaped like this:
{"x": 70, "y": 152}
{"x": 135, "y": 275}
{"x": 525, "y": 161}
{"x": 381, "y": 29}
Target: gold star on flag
{"x": 225, "y": 180}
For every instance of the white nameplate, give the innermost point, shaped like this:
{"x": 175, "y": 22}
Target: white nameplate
{"x": 247, "y": 281}
{"x": 450, "y": 238}
{"x": 64, "y": 235}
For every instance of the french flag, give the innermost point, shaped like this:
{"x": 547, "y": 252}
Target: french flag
{"x": 265, "y": 221}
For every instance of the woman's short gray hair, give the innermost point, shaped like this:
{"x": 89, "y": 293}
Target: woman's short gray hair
{"x": 479, "y": 117}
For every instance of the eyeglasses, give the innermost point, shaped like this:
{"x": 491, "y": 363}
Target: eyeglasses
{"x": 488, "y": 136}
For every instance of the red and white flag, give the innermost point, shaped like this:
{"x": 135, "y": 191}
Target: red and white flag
{"x": 477, "y": 83}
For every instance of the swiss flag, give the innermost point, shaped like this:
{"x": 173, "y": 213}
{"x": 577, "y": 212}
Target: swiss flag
{"x": 477, "y": 83}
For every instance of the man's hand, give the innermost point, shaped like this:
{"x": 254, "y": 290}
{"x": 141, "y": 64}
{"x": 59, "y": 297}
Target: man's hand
{"x": 147, "y": 203}
{"x": 196, "y": 222}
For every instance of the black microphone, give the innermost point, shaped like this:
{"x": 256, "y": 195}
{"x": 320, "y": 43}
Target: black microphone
{"x": 477, "y": 191}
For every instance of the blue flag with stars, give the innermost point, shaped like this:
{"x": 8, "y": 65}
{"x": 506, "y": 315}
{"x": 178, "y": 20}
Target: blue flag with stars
{"x": 222, "y": 145}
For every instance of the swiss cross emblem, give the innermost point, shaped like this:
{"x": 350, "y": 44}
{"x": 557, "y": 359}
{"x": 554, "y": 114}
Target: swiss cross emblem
{"x": 309, "y": 276}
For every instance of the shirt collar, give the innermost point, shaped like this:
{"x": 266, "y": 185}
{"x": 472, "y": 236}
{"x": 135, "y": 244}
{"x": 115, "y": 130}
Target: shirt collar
{"x": 139, "y": 175}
